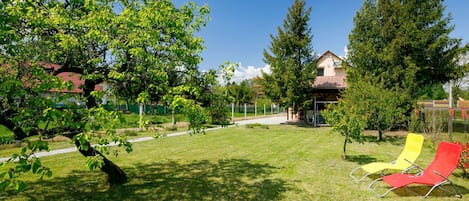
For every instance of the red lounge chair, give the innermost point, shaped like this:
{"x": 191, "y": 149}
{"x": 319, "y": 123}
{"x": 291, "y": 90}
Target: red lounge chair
{"x": 435, "y": 175}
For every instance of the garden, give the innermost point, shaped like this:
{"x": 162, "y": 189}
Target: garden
{"x": 276, "y": 162}
{"x": 63, "y": 61}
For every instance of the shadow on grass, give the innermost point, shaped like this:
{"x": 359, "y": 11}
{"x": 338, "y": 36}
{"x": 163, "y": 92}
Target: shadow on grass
{"x": 421, "y": 190}
{"x": 230, "y": 179}
{"x": 394, "y": 140}
{"x": 361, "y": 159}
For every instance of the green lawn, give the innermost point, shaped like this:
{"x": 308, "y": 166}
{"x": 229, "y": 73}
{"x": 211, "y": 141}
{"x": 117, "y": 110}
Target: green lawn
{"x": 280, "y": 163}
{"x": 4, "y": 131}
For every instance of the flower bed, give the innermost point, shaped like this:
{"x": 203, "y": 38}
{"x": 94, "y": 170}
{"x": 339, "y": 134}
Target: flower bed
{"x": 464, "y": 161}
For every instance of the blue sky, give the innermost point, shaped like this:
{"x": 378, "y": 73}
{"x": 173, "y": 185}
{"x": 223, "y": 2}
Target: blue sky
{"x": 239, "y": 30}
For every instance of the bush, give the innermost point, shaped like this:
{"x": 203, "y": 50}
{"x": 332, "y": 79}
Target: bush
{"x": 218, "y": 112}
{"x": 7, "y": 140}
{"x": 171, "y": 128}
{"x": 130, "y": 133}
{"x": 464, "y": 161}
{"x": 416, "y": 121}
{"x": 435, "y": 125}
{"x": 257, "y": 125}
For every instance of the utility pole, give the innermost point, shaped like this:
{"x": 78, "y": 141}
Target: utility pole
{"x": 450, "y": 110}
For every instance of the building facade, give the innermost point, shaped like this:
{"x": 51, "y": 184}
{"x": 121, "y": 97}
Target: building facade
{"x": 329, "y": 82}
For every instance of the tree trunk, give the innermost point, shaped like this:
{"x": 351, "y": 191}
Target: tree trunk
{"x": 115, "y": 174}
{"x": 305, "y": 117}
{"x": 91, "y": 101}
{"x": 380, "y": 135}
{"x": 18, "y": 133}
{"x": 344, "y": 157}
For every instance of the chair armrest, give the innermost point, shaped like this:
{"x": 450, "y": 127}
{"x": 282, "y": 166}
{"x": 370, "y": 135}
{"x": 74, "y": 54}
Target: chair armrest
{"x": 439, "y": 174}
{"x": 413, "y": 166}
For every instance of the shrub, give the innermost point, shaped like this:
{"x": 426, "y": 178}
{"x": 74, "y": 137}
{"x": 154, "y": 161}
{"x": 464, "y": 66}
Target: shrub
{"x": 172, "y": 128}
{"x": 257, "y": 125}
{"x": 464, "y": 161}
{"x": 130, "y": 133}
{"x": 7, "y": 140}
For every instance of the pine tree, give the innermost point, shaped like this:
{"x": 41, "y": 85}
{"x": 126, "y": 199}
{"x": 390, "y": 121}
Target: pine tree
{"x": 291, "y": 59}
{"x": 406, "y": 44}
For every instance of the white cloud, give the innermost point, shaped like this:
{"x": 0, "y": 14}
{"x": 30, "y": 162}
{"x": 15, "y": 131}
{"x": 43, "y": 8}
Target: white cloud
{"x": 246, "y": 72}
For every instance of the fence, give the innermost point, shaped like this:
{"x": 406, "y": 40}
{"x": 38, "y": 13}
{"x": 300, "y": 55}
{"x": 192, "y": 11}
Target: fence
{"x": 264, "y": 109}
{"x": 148, "y": 109}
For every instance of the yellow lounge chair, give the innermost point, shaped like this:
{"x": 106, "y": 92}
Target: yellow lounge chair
{"x": 413, "y": 146}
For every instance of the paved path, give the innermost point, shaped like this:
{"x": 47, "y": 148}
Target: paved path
{"x": 268, "y": 120}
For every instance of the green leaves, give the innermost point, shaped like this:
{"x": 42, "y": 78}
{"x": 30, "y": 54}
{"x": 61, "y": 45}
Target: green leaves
{"x": 94, "y": 162}
{"x": 145, "y": 50}
{"x": 227, "y": 71}
{"x": 364, "y": 105}
{"x": 406, "y": 45}
{"x": 21, "y": 163}
{"x": 291, "y": 60}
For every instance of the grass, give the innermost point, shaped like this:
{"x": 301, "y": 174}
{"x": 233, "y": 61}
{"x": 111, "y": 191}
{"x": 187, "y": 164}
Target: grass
{"x": 282, "y": 162}
{"x": 4, "y": 131}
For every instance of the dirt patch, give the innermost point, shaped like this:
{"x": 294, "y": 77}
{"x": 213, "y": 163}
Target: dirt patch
{"x": 60, "y": 138}
{"x": 155, "y": 127}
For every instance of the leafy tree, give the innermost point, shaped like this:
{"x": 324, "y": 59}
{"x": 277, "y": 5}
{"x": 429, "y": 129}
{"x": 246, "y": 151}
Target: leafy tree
{"x": 241, "y": 93}
{"x": 382, "y": 107}
{"x": 291, "y": 59}
{"x": 432, "y": 92}
{"x": 218, "y": 110}
{"x": 406, "y": 44}
{"x": 346, "y": 121}
{"x": 155, "y": 55}
{"x": 365, "y": 105}
{"x": 246, "y": 92}
{"x": 211, "y": 95}
{"x": 204, "y": 83}
{"x": 136, "y": 46}
{"x": 195, "y": 113}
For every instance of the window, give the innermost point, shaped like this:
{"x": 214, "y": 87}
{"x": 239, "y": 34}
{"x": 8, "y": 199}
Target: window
{"x": 320, "y": 72}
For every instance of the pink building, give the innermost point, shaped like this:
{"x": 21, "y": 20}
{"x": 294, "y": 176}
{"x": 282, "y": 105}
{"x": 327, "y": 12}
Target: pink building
{"x": 330, "y": 80}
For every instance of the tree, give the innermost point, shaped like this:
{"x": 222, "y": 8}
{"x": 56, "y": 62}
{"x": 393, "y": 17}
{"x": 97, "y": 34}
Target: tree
{"x": 380, "y": 106}
{"x": 406, "y": 44}
{"x": 136, "y": 45}
{"x": 291, "y": 59}
{"x": 204, "y": 84}
{"x": 346, "y": 122}
{"x": 432, "y": 92}
{"x": 364, "y": 105}
{"x": 241, "y": 93}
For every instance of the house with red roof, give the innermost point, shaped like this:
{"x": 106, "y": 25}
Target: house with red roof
{"x": 329, "y": 82}
{"x": 330, "y": 77}
{"x": 75, "y": 78}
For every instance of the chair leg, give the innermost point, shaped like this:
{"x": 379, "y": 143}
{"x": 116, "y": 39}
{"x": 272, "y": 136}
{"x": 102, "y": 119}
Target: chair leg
{"x": 440, "y": 186}
{"x": 355, "y": 178}
{"x": 454, "y": 192}
{"x": 376, "y": 193}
